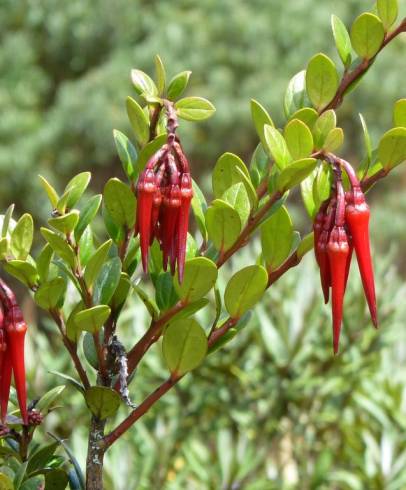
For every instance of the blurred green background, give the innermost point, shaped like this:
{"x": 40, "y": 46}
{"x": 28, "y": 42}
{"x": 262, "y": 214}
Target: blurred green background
{"x": 274, "y": 409}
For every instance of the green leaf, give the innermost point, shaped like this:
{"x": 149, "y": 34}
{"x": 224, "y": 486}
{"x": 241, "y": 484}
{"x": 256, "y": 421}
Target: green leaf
{"x": 76, "y": 187}
{"x": 143, "y": 83}
{"x": 276, "y": 146}
{"x": 237, "y": 197}
{"x": 160, "y": 74}
{"x": 92, "y": 319}
{"x": 4, "y": 246}
{"x": 149, "y": 303}
{"x": 56, "y": 480}
{"x": 299, "y": 139}
{"x": 121, "y": 292}
{"x": 194, "y": 108}
{"x": 322, "y": 185}
{"x": 367, "y": 34}
{"x": 87, "y": 213}
{"x": 43, "y": 262}
{"x": 86, "y": 246}
{"x": 306, "y": 189}
{"x": 150, "y": 149}
{"x": 72, "y": 331}
{"x": 245, "y": 289}
{"x": 260, "y": 117}
{"x": 6, "y": 220}
{"x": 47, "y": 296}
{"x": 5, "y": 482}
{"x": 51, "y": 192}
{"x": 230, "y": 170}
{"x": 139, "y": 121}
{"x": 259, "y": 166}
{"x": 296, "y": 96}
{"x": 127, "y": 154}
{"x": 399, "y": 113}
{"x": 324, "y": 124}
{"x": 199, "y": 277}
{"x": 321, "y": 80}
{"x": 107, "y": 281}
{"x": 342, "y": 40}
{"x": 178, "y": 85}
{"x": 41, "y": 457}
{"x": 120, "y": 202}
{"x": 102, "y": 401}
{"x": 305, "y": 245}
{"x": 165, "y": 293}
{"x": 388, "y": 12}
{"x": 294, "y": 173}
{"x": 276, "y": 238}
{"x": 23, "y": 271}
{"x": 96, "y": 263}
{"x": 184, "y": 346}
{"x": 392, "y": 148}
{"x": 89, "y": 349}
{"x": 71, "y": 381}
{"x": 308, "y": 115}
{"x": 199, "y": 208}
{"x": 191, "y": 309}
{"x": 60, "y": 246}
{"x": 334, "y": 139}
{"x": 21, "y": 237}
{"x": 223, "y": 224}
{"x": 19, "y": 476}
{"x": 65, "y": 223}
{"x": 62, "y": 202}
{"x": 45, "y": 402}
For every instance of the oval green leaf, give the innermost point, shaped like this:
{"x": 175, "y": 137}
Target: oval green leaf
{"x": 276, "y": 238}
{"x": 92, "y": 319}
{"x": 276, "y": 146}
{"x": 102, "y": 401}
{"x": 299, "y": 139}
{"x": 367, "y": 35}
{"x": 223, "y": 224}
{"x": 392, "y": 148}
{"x": 21, "y": 237}
{"x": 199, "y": 277}
{"x": 321, "y": 80}
{"x": 294, "y": 173}
{"x": 120, "y": 203}
{"x": 194, "y": 108}
{"x": 139, "y": 121}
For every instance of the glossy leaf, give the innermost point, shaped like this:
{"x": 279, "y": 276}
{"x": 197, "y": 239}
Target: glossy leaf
{"x": 56, "y": 479}
{"x": 107, "y": 281}
{"x": 60, "y": 246}
{"x": 178, "y": 85}
{"x": 237, "y": 197}
{"x": 276, "y": 146}
{"x": 47, "y": 296}
{"x": 6, "y": 220}
{"x": 392, "y": 148}
{"x": 23, "y": 271}
{"x": 165, "y": 293}
{"x": 305, "y": 245}
{"x": 367, "y": 34}
{"x": 199, "y": 208}
{"x": 150, "y": 149}
{"x": 245, "y": 289}
{"x": 342, "y": 40}
{"x": 65, "y": 223}
{"x": 334, "y": 140}
{"x": 102, "y": 401}
{"x": 260, "y": 117}
{"x": 41, "y": 457}
{"x": 160, "y": 74}
{"x": 139, "y": 121}
{"x": 96, "y": 263}
{"x": 321, "y": 80}
{"x": 322, "y": 127}
{"x": 399, "y": 113}
{"x": 223, "y": 224}
{"x": 43, "y": 262}
{"x": 194, "y": 108}
{"x": 388, "y": 12}
{"x": 299, "y": 139}
{"x": 306, "y": 189}
{"x": 184, "y": 345}
{"x": 76, "y": 187}
{"x": 22, "y": 236}
{"x": 143, "y": 83}
{"x": 308, "y": 115}
{"x": 120, "y": 203}
{"x": 92, "y": 319}
{"x": 296, "y": 96}
{"x": 127, "y": 154}
{"x": 149, "y": 303}
{"x": 51, "y": 192}
{"x": 322, "y": 185}
{"x": 87, "y": 214}
{"x": 46, "y": 401}
{"x": 276, "y": 238}
{"x": 4, "y": 246}
{"x": 294, "y": 173}
{"x": 199, "y": 277}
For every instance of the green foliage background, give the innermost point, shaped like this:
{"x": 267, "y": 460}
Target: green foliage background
{"x": 274, "y": 410}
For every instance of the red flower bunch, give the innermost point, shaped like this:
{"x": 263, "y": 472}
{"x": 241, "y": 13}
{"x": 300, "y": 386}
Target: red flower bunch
{"x": 164, "y": 192}
{"x": 342, "y": 225}
{"x": 12, "y": 335}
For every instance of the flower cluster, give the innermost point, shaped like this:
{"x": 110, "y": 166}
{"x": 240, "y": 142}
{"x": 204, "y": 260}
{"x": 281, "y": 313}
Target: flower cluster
{"x": 341, "y": 226}
{"x": 164, "y": 193}
{"x": 12, "y": 361}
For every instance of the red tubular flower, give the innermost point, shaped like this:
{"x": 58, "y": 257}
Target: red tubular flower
{"x": 170, "y": 211}
{"x": 5, "y": 383}
{"x": 146, "y": 189}
{"x": 338, "y": 252}
{"x": 357, "y": 217}
{"x": 186, "y": 192}
{"x": 16, "y": 329}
